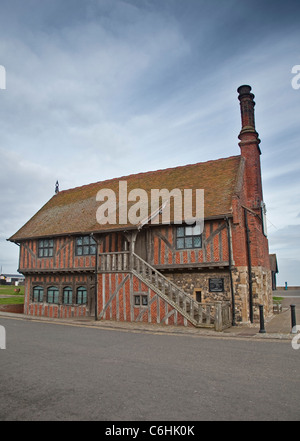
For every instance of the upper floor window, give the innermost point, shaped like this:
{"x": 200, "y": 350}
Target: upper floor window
{"x": 46, "y": 247}
{"x": 85, "y": 245}
{"x": 38, "y": 294}
{"x": 188, "y": 237}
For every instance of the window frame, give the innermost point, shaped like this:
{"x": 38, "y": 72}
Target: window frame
{"x": 198, "y": 295}
{"x": 67, "y": 290}
{"x": 40, "y": 298}
{"x": 82, "y": 289}
{"x": 87, "y": 242}
{"x": 55, "y": 293}
{"x": 188, "y": 234}
{"x": 45, "y": 250}
{"x": 139, "y": 299}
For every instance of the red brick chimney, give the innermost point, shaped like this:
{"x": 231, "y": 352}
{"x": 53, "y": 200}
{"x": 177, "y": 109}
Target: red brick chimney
{"x": 250, "y": 148}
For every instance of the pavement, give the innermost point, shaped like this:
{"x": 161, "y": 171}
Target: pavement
{"x": 278, "y": 326}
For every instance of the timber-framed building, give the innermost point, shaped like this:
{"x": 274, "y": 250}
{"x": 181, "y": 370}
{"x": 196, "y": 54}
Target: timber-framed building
{"x": 159, "y": 273}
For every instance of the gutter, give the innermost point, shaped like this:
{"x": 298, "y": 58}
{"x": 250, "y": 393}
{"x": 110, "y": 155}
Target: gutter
{"x": 119, "y": 228}
{"x": 230, "y": 271}
{"x": 96, "y": 277}
{"x": 249, "y": 266}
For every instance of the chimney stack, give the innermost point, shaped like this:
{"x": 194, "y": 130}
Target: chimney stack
{"x": 249, "y": 145}
{"x": 248, "y": 133}
{"x": 247, "y": 108}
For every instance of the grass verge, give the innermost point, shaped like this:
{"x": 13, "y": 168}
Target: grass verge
{"x": 9, "y": 290}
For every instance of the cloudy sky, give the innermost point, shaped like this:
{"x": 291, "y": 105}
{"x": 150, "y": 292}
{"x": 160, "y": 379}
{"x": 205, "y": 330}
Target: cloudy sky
{"x": 97, "y": 89}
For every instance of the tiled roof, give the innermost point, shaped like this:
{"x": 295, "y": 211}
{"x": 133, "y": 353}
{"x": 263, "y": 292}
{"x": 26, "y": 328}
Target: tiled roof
{"x": 74, "y": 211}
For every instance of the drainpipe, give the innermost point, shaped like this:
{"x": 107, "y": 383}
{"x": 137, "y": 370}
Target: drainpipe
{"x": 249, "y": 266}
{"x": 230, "y": 272}
{"x": 96, "y": 278}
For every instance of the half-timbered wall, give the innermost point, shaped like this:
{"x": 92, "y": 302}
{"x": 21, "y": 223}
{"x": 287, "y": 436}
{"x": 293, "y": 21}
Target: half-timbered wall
{"x": 160, "y": 246}
{"x": 63, "y": 256}
{"x": 59, "y": 281}
{"x": 214, "y": 246}
{"x": 116, "y": 301}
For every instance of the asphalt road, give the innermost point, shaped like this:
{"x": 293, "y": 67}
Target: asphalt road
{"x": 57, "y": 372}
{"x": 290, "y": 293}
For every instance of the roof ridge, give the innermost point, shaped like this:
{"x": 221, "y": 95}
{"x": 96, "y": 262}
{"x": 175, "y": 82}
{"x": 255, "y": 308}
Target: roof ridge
{"x": 73, "y": 210}
{"x": 146, "y": 173}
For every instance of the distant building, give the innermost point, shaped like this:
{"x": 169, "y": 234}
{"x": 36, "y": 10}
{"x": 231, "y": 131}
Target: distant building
{"x": 11, "y": 279}
{"x": 164, "y": 273}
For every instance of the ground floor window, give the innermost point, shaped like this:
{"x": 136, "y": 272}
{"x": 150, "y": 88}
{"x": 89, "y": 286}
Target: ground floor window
{"x": 81, "y": 295}
{"x": 67, "y": 295}
{"x": 140, "y": 300}
{"x": 57, "y": 295}
{"x": 52, "y": 294}
{"x": 38, "y": 294}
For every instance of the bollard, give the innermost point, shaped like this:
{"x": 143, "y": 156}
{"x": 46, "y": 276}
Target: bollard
{"x": 293, "y": 319}
{"x": 261, "y": 319}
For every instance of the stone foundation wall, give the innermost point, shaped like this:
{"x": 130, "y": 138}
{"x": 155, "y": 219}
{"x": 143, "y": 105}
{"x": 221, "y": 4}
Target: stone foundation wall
{"x": 194, "y": 281}
{"x": 261, "y": 290}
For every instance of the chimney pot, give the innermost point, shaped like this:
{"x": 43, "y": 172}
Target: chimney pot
{"x": 245, "y": 89}
{"x": 247, "y": 104}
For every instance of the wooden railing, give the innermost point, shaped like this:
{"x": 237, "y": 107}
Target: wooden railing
{"x": 186, "y": 304}
{"x": 114, "y": 262}
{"x": 214, "y": 314}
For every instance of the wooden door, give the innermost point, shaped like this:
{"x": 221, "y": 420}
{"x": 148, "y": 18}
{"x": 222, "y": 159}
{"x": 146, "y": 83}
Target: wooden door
{"x": 141, "y": 245}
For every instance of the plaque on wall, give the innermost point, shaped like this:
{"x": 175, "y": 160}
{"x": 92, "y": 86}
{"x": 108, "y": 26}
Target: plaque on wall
{"x": 216, "y": 285}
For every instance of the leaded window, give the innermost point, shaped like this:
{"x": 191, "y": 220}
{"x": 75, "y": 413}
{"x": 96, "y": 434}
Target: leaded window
{"x": 188, "y": 237}
{"x": 140, "y": 300}
{"x": 46, "y": 247}
{"x": 52, "y": 294}
{"x": 38, "y": 294}
{"x": 81, "y": 295}
{"x": 67, "y": 295}
{"x": 85, "y": 245}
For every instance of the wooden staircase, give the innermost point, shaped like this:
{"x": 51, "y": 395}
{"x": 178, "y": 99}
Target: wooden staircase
{"x": 203, "y": 315}
{"x": 176, "y": 297}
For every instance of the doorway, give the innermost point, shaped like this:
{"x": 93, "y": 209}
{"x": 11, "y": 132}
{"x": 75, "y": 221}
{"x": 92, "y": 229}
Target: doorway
{"x": 141, "y": 245}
